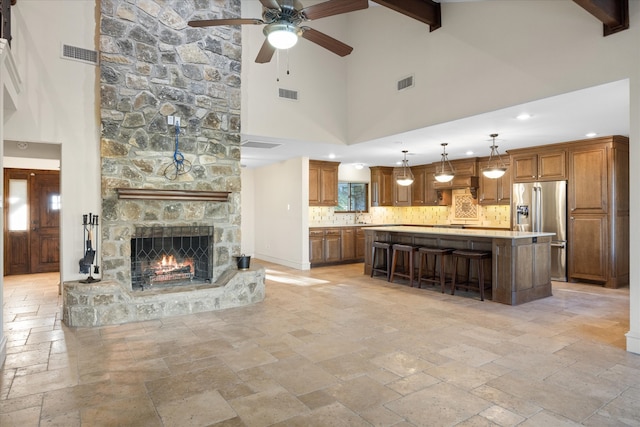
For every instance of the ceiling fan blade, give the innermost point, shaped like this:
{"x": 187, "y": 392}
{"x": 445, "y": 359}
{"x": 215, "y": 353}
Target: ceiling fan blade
{"x": 218, "y": 22}
{"x": 333, "y": 7}
{"x": 266, "y": 52}
{"x": 270, "y": 4}
{"x": 327, "y": 42}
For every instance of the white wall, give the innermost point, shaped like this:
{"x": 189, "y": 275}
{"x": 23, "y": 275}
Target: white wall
{"x": 281, "y": 206}
{"x": 58, "y": 105}
{"x": 320, "y": 114}
{"x": 487, "y": 55}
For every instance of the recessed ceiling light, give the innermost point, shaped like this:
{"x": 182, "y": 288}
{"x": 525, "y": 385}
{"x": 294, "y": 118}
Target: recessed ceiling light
{"x": 469, "y": 153}
{"x": 591, "y": 134}
{"x": 332, "y": 156}
{"x": 358, "y": 165}
{"x": 523, "y": 116}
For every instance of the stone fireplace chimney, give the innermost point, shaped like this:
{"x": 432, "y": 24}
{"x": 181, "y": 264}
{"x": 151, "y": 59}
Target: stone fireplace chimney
{"x": 152, "y": 66}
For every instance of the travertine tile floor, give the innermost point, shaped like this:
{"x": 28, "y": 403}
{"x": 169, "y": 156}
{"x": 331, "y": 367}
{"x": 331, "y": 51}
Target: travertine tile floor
{"x": 329, "y": 347}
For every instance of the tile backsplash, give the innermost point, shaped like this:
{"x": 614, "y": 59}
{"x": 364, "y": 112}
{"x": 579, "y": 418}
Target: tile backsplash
{"x": 495, "y": 216}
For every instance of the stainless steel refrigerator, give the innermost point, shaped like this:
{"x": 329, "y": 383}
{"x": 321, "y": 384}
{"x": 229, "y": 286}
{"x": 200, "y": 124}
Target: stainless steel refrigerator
{"x": 542, "y": 206}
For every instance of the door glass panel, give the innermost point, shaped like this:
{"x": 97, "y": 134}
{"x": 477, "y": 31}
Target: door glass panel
{"x": 54, "y": 202}
{"x": 18, "y": 205}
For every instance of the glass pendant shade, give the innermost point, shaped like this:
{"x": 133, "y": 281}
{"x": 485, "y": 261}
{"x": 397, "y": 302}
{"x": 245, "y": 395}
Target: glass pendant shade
{"x": 281, "y": 35}
{"x": 404, "y": 176}
{"x": 443, "y": 175}
{"x": 495, "y": 166}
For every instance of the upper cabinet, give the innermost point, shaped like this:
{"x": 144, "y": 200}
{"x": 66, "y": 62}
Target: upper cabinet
{"x": 539, "y": 164}
{"x": 495, "y": 191}
{"x": 382, "y": 186}
{"x": 423, "y": 191}
{"x": 323, "y": 183}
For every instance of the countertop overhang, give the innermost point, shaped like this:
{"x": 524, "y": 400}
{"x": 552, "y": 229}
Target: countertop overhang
{"x": 464, "y": 232}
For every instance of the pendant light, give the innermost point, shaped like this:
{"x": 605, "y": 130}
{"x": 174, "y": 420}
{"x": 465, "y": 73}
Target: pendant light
{"x": 404, "y": 176}
{"x": 443, "y": 175}
{"x": 495, "y": 167}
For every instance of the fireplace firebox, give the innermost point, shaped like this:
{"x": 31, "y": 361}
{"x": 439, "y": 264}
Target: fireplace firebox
{"x": 171, "y": 256}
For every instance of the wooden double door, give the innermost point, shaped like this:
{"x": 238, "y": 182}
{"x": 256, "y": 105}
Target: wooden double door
{"x": 31, "y": 221}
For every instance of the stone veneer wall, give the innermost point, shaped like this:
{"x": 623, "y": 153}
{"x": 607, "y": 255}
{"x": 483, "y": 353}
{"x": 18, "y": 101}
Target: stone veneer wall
{"x": 153, "y": 65}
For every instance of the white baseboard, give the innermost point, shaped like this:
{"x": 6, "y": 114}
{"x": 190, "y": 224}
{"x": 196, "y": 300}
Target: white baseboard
{"x": 633, "y": 342}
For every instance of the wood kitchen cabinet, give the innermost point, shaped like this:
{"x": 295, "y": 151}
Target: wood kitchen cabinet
{"x": 348, "y": 242}
{"x": 401, "y": 193}
{"x": 495, "y": 191}
{"x": 323, "y": 183}
{"x": 316, "y": 246}
{"x": 598, "y": 205}
{"x": 382, "y": 186}
{"x": 360, "y": 244}
{"x": 587, "y": 239}
{"x": 423, "y": 191}
{"x": 538, "y": 164}
{"x": 464, "y": 170}
{"x": 334, "y": 245}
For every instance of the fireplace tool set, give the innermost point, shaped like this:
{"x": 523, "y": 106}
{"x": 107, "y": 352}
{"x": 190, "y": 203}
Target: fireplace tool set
{"x": 90, "y": 234}
{"x": 179, "y": 165}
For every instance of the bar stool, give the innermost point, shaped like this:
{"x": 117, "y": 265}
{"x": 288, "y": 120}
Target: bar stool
{"x": 439, "y": 254}
{"x": 469, "y": 255}
{"x": 386, "y": 267}
{"x": 408, "y": 253}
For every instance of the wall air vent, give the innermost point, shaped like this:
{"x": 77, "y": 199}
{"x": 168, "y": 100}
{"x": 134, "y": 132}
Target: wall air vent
{"x": 79, "y": 54}
{"x": 405, "y": 83}
{"x": 288, "y": 94}
{"x": 260, "y": 144}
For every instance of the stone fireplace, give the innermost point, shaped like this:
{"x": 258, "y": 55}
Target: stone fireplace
{"x": 154, "y": 66}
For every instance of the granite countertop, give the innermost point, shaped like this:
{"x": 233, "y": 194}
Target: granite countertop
{"x": 463, "y": 232}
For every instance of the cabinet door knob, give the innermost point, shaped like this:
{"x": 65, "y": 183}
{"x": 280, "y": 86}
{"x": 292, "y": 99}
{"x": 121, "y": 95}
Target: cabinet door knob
{"x": 572, "y": 218}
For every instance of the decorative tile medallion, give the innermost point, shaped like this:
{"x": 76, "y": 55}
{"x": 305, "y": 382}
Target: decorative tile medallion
{"x": 464, "y": 207}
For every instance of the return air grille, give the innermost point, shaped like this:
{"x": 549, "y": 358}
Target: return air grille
{"x": 260, "y": 144}
{"x": 288, "y": 94}
{"x": 405, "y": 83}
{"x": 79, "y": 54}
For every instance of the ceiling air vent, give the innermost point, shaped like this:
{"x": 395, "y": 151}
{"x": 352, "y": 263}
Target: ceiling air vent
{"x": 405, "y": 83}
{"x": 260, "y": 144}
{"x": 79, "y": 54}
{"x": 288, "y": 94}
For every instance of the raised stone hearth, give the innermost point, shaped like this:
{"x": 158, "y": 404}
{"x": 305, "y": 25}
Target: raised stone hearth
{"x": 109, "y": 303}
{"x": 156, "y": 173}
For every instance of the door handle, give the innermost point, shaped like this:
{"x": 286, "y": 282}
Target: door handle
{"x": 557, "y": 245}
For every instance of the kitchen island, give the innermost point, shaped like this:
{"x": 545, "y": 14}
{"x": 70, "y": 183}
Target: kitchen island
{"x": 519, "y": 268}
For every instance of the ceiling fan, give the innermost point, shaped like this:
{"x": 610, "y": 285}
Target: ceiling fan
{"x": 282, "y": 19}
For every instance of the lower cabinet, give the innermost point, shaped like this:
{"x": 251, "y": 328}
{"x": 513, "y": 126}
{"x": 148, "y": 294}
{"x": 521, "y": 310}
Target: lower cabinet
{"x": 335, "y": 245}
{"x": 588, "y": 259}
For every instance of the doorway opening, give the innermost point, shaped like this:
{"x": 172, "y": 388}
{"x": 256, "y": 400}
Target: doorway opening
{"x": 32, "y": 204}
{"x": 32, "y": 218}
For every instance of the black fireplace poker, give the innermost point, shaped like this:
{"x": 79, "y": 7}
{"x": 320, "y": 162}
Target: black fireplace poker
{"x": 90, "y": 248}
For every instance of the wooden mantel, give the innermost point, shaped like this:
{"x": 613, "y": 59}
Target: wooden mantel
{"x": 156, "y": 194}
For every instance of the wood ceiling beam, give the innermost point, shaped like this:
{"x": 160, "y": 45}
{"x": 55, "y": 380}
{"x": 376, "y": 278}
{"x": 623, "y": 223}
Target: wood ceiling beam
{"x": 614, "y": 14}
{"x": 427, "y": 11}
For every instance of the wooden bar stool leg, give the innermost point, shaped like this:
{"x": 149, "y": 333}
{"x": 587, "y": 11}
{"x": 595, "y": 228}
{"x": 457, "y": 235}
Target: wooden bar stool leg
{"x": 455, "y": 273}
{"x": 442, "y": 272}
{"x": 481, "y": 278}
{"x": 393, "y": 265}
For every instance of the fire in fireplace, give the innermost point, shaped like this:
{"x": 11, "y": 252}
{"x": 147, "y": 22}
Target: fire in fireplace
{"x": 171, "y": 256}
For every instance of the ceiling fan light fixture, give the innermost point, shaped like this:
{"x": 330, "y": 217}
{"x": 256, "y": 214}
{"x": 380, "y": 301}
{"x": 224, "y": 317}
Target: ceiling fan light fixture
{"x": 443, "y": 175}
{"x": 404, "y": 176}
{"x": 495, "y": 166}
{"x": 281, "y": 35}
